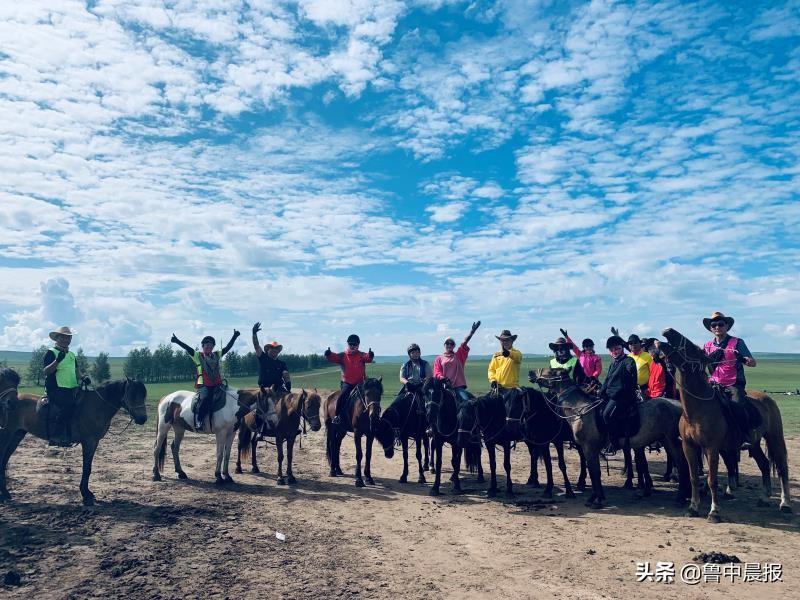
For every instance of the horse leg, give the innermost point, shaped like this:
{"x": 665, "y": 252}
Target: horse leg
{"x": 548, "y": 469}
{"x": 712, "y": 455}
{"x": 776, "y": 447}
{"x": 279, "y": 450}
{"x": 507, "y": 468}
{"x": 176, "y": 450}
{"x": 436, "y": 449}
{"x": 562, "y": 466}
{"x": 289, "y": 458}
{"x": 422, "y": 468}
{"x": 644, "y": 481}
{"x": 480, "y": 478}
{"x": 456, "y": 462}
{"x": 218, "y": 480}
{"x": 404, "y": 476}
{"x": 253, "y": 459}
{"x": 89, "y": 447}
{"x": 226, "y": 475}
{"x": 677, "y": 461}
{"x": 8, "y": 444}
{"x": 593, "y": 465}
{"x": 763, "y": 465}
{"x": 533, "y": 477}
{"x": 690, "y": 452}
{"x": 731, "y": 460}
{"x": 667, "y": 476}
{"x": 367, "y": 465}
{"x": 427, "y": 443}
{"x": 492, "y": 491}
{"x": 581, "y": 485}
{"x": 160, "y": 448}
{"x": 338, "y": 439}
{"x": 628, "y": 468}
{"x": 359, "y": 456}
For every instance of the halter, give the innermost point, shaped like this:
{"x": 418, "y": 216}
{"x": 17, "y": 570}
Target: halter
{"x": 435, "y": 424}
{"x": 122, "y": 403}
{"x": 696, "y": 365}
{"x": 555, "y": 401}
{"x": 359, "y": 390}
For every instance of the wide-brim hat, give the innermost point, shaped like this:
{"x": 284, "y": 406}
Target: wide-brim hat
{"x": 273, "y": 345}
{"x": 61, "y": 331}
{"x": 717, "y": 316}
{"x": 506, "y": 335}
{"x": 634, "y": 339}
{"x": 560, "y": 342}
{"x": 615, "y": 340}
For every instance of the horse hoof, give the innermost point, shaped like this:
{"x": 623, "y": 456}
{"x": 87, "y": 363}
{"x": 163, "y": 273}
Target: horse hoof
{"x": 728, "y": 496}
{"x": 480, "y": 479}
{"x": 182, "y": 475}
{"x": 228, "y": 478}
{"x": 433, "y": 470}
{"x": 589, "y": 503}
{"x": 333, "y": 473}
{"x": 597, "y": 504}
{"x": 339, "y": 472}
{"x": 547, "y": 494}
{"x": 156, "y": 477}
{"x": 628, "y": 485}
{"x": 291, "y": 480}
{"x": 569, "y": 494}
{"x": 238, "y": 470}
{"x": 434, "y": 492}
{"x": 714, "y": 518}
{"x": 491, "y": 493}
{"x": 457, "y": 491}
{"x": 403, "y": 479}
{"x": 369, "y": 480}
{"x": 255, "y": 470}
{"x": 534, "y": 483}
{"x": 422, "y": 480}
{"x": 691, "y": 513}
{"x": 666, "y": 478}
{"x": 761, "y": 502}
{"x": 88, "y": 501}
{"x": 786, "y": 509}
{"x": 219, "y": 481}
{"x": 581, "y": 487}
{"x": 359, "y": 483}
{"x": 281, "y": 481}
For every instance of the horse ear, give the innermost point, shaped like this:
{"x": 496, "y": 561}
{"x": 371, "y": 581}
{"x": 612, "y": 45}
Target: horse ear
{"x": 315, "y": 391}
{"x": 380, "y": 378}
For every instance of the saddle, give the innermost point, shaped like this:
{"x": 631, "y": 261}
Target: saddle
{"x": 626, "y": 422}
{"x": 740, "y": 416}
{"x": 217, "y": 402}
{"x": 56, "y": 427}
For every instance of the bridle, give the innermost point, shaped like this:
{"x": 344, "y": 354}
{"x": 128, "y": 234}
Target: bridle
{"x": 445, "y": 389}
{"x": 696, "y": 365}
{"x": 554, "y": 401}
{"x": 123, "y": 402}
{"x": 361, "y": 395}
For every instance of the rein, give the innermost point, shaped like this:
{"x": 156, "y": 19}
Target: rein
{"x": 697, "y": 365}
{"x": 121, "y": 404}
{"x": 555, "y": 401}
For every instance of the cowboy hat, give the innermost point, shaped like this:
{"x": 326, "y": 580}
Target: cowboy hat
{"x": 634, "y": 339}
{"x": 273, "y": 345}
{"x": 717, "y": 316}
{"x": 559, "y": 342}
{"x": 506, "y": 335}
{"x": 61, "y": 331}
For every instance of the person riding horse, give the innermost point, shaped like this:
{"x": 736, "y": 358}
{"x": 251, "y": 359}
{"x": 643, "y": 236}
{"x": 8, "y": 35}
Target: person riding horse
{"x": 209, "y": 372}
{"x": 727, "y": 356}
{"x": 562, "y": 359}
{"x": 504, "y": 366}
{"x": 413, "y": 374}
{"x": 619, "y": 388}
{"x": 590, "y": 362}
{"x": 642, "y": 359}
{"x": 62, "y": 382}
{"x": 450, "y": 364}
{"x": 271, "y": 371}
{"x": 662, "y": 374}
{"x": 354, "y": 371}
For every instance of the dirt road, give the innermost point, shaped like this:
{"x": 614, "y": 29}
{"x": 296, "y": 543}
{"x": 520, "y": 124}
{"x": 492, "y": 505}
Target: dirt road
{"x": 176, "y": 539}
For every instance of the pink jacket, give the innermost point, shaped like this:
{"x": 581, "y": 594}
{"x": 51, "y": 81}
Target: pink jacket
{"x": 452, "y": 367}
{"x": 592, "y": 364}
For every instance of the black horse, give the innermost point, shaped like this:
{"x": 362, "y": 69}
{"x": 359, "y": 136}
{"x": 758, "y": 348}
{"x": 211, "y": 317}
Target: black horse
{"x": 486, "y": 416}
{"x": 406, "y": 417}
{"x": 539, "y": 426}
{"x": 441, "y": 411}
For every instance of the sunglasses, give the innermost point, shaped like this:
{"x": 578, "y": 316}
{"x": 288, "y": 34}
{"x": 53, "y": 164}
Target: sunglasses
{"x": 449, "y": 343}
{"x": 718, "y": 324}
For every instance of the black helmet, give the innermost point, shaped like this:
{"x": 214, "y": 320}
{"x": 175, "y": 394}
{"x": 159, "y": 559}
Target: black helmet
{"x": 411, "y": 348}
{"x": 615, "y": 340}
{"x": 353, "y": 339}
{"x": 587, "y": 343}
{"x": 634, "y": 339}
{"x": 208, "y": 340}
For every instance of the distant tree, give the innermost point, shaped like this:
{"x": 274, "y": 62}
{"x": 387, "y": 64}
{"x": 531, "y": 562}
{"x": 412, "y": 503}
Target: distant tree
{"x": 82, "y": 361}
{"x": 34, "y": 373}
{"x": 101, "y": 370}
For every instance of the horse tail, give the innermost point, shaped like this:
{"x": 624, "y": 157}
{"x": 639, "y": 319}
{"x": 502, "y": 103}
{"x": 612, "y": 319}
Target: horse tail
{"x": 472, "y": 454}
{"x": 245, "y": 439}
{"x": 776, "y": 444}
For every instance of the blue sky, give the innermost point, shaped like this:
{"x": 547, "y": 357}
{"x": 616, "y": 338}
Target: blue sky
{"x": 397, "y": 169}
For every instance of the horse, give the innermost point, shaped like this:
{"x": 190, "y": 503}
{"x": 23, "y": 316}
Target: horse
{"x": 291, "y": 407}
{"x": 406, "y": 416}
{"x": 175, "y": 412}
{"x": 364, "y": 419}
{"x": 658, "y": 422}
{"x": 9, "y": 382}
{"x": 539, "y": 426}
{"x": 704, "y": 426}
{"x": 486, "y": 416}
{"x": 441, "y": 412}
{"x": 90, "y": 422}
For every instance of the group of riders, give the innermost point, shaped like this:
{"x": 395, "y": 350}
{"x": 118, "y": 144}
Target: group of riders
{"x": 634, "y": 376}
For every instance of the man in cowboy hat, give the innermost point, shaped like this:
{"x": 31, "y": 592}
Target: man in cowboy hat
{"x": 619, "y": 388}
{"x": 271, "y": 371}
{"x": 209, "y": 372}
{"x": 413, "y": 373}
{"x": 727, "y": 356}
{"x": 61, "y": 382}
{"x": 563, "y": 359}
{"x": 505, "y": 364}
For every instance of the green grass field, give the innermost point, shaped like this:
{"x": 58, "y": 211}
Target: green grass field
{"x": 772, "y": 374}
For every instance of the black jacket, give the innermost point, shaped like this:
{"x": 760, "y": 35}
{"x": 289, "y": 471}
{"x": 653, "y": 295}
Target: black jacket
{"x": 620, "y": 382}
{"x": 270, "y": 371}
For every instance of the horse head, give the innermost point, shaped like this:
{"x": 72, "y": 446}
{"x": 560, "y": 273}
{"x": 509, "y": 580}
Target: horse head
{"x": 515, "y": 405}
{"x": 134, "y": 400}
{"x": 9, "y": 382}
{"x": 311, "y": 408}
{"x": 689, "y": 359}
{"x": 383, "y": 432}
{"x": 551, "y": 379}
{"x": 467, "y": 421}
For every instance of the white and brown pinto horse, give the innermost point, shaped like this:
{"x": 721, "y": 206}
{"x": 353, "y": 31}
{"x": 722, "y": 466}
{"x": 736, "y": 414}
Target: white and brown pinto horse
{"x": 175, "y": 412}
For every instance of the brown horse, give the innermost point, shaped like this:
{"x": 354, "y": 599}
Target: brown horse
{"x": 363, "y": 419}
{"x": 90, "y": 422}
{"x": 290, "y": 407}
{"x": 704, "y": 426}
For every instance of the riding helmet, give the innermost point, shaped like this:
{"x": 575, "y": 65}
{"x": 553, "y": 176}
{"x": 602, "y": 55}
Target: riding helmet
{"x": 353, "y": 339}
{"x": 615, "y": 340}
{"x": 587, "y": 343}
{"x": 411, "y": 348}
{"x": 208, "y": 340}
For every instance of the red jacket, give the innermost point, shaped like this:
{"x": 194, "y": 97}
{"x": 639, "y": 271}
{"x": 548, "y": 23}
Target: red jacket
{"x": 352, "y": 364}
{"x": 660, "y": 383}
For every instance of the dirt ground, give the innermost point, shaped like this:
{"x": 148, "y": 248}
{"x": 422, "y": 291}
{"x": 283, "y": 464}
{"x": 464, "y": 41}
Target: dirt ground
{"x": 190, "y": 539}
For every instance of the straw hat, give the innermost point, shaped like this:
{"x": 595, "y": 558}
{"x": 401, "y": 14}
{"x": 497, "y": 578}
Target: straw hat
{"x": 61, "y": 331}
{"x": 506, "y": 335}
{"x": 717, "y": 316}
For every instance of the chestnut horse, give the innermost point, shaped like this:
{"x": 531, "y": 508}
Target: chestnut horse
{"x": 363, "y": 419}
{"x": 703, "y": 426}
{"x": 290, "y": 407}
{"x": 90, "y": 422}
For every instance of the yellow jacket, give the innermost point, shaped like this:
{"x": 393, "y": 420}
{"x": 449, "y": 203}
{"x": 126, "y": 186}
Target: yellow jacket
{"x": 505, "y": 369}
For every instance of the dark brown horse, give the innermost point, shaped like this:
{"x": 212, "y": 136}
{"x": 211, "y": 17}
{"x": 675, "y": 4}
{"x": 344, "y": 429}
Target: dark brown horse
{"x": 703, "y": 426}
{"x": 90, "y": 422}
{"x": 290, "y": 408}
{"x": 363, "y": 419}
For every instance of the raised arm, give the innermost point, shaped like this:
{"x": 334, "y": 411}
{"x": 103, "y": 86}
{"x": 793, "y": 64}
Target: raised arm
{"x": 256, "y": 345}
{"x": 189, "y": 349}
{"x": 472, "y": 331}
{"x": 230, "y": 344}
{"x": 572, "y": 344}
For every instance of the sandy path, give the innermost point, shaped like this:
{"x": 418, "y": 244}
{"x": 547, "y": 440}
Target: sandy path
{"x": 177, "y": 539}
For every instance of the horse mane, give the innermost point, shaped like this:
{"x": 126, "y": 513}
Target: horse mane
{"x": 372, "y": 383}
{"x": 10, "y": 375}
